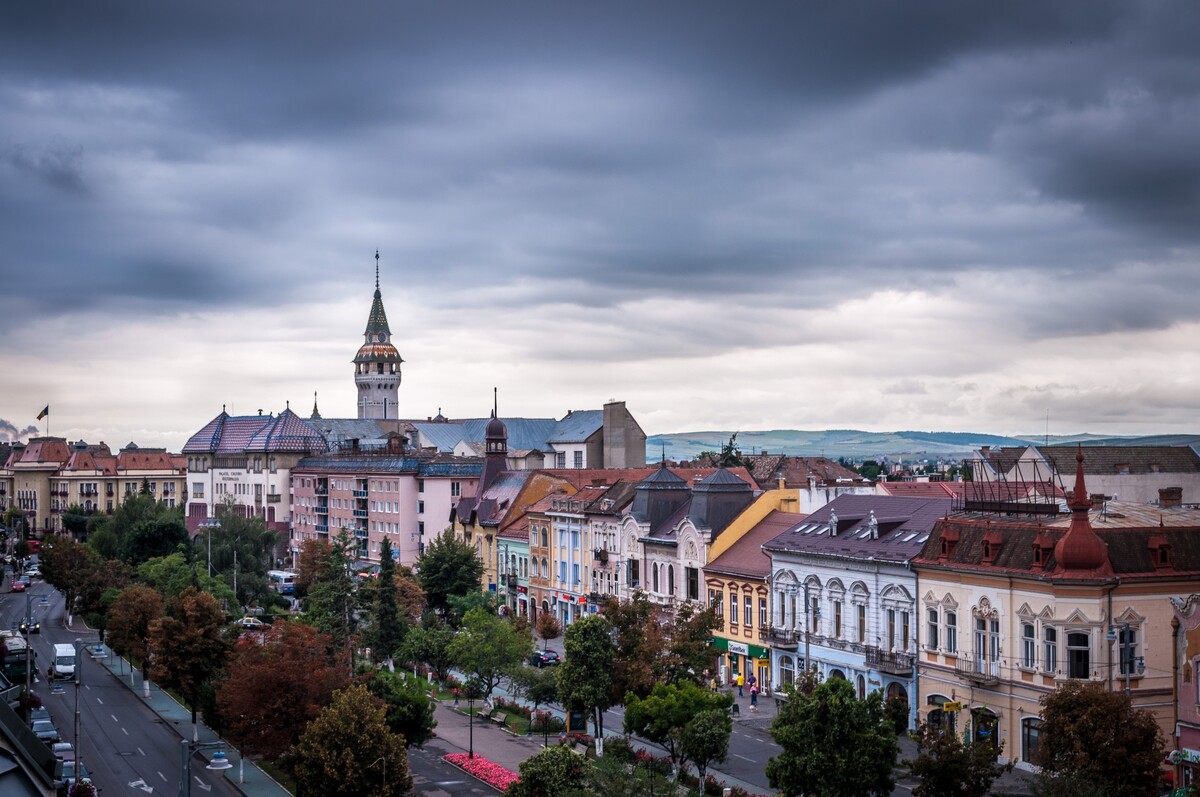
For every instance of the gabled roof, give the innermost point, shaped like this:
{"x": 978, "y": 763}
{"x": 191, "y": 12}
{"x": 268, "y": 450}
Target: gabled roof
{"x": 577, "y": 426}
{"x": 904, "y": 525}
{"x": 746, "y": 558}
{"x": 1119, "y": 460}
{"x": 43, "y": 450}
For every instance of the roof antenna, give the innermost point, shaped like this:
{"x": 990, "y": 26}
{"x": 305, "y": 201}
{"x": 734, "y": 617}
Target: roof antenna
{"x": 376, "y": 269}
{"x": 495, "y": 402}
{"x": 664, "y": 453}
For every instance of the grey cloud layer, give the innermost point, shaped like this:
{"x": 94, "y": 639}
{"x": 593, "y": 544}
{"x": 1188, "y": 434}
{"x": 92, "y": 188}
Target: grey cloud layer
{"x": 167, "y": 158}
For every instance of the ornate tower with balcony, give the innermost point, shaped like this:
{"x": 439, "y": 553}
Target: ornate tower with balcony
{"x": 377, "y": 364}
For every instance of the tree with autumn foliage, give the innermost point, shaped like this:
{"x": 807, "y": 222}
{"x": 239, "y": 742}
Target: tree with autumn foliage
{"x": 67, "y": 565}
{"x": 273, "y": 689}
{"x": 130, "y": 618}
{"x": 309, "y": 562}
{"x": 548, "y": 627}
{"x": 332, "y": 602}
{"x": 1095, "y": 737}
{"x": 688, "y": 652}
{"x": 349, "y": 744}
{"x": 640, "y": 643}
{"x": 189, "y": 645}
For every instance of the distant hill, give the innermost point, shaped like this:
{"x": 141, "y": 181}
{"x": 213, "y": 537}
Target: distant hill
{"x": 854, "y": 444}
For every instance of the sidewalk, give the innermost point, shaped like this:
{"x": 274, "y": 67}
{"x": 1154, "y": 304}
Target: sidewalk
{"x": 252, "y": 781}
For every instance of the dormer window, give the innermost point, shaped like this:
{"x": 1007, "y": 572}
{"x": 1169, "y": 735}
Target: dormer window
{"x": 1160, "y": 551}
{"x": 949, "y": 541}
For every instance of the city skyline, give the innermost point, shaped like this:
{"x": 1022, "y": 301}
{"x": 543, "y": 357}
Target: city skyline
{"x": 880, "y": 217}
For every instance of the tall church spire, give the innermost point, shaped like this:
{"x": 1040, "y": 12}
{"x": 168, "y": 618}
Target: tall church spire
{"x": 377, "y": 364}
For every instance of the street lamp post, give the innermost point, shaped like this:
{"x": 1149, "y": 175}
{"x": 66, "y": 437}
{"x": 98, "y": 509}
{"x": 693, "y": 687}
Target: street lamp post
{"x": 78, "y": 684}
{"x": 470, "y": 722}
{"x": 218, "y": 763}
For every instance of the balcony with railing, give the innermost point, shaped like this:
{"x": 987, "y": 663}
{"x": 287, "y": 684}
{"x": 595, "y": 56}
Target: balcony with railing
{"x": 785, "y": 638}
{"x": 321, "y": 509}
{"x": 360, "y": 513}
{"x": 322, "y": 527}
{"x": 889, "y": 661}
{"x": 360, "y": 493}
{"x": 978, "y": 671}
{"x": 274, "y": 498}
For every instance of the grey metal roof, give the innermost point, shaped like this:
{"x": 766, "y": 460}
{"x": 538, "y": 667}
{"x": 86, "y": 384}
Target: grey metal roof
{"x": 335, "y": 430}
{"x": 904, "y": 526}
{"x": 577, "y": 426}
{"x": 524, "y": 434}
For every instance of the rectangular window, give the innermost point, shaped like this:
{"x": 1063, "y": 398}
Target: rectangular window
{"x": 748, "y": 616}
{"x": 814, "y": 615}
{"x": 1028, "y": 646}
{"x": 420, "y": 507}
{"x": 455, "y": 489}
{"x": 891, "y": 629}
{"x": 560, "y": 460}
{"x": 575, "y": 573}
{"x": 1031, "y": 728}
{"x": 951, "y": 632}
{"x": 635, "y": 573}
{"x": 931, "y": 629}
{"x": 1079, "y": 655}
{"x": 1127, "y": 645}
{"x": 862, "y": 623}
{"x": 197, "y": 489}
{"x": 837, "y": 619}
{"x": 762, "y": 612}
{"x": 720, "y": 598}
{"x": 904, "y": 630}
{"x": 693, "y": 583}
{"x": 578, "y": 460}
{"x": 733, "y": 608}
{"x": 420, "y": 485}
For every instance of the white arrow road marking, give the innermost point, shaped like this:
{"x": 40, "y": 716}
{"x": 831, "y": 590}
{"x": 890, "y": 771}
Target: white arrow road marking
{"x": 202, "y": 784}
{"x": 141, "y": 784}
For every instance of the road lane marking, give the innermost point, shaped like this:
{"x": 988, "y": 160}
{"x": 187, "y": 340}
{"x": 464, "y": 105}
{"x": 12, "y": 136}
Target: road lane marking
{"x": 164, "y": 777}
{"x": 140, "y": 750}
{"x": 744, "y": 758}
{"x": 114, "y": 716}
{"x": 101, "y": 702}
{"x": 124, "y": 731}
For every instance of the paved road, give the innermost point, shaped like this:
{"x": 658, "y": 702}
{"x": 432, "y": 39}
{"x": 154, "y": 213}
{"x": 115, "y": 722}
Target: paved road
{"x": 123, "y": 743}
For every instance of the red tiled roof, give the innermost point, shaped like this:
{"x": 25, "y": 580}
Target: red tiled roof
{"x": 922, "y": 489}
{"x": 746, "y": 557}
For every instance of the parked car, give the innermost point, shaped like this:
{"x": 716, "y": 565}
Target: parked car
{"x": 39, "y": 713}
{"x": 45, "y": 730}
{"x": 64, "y": 751}
{"x": 544, "y": 658}
{"x": 30, "y": 625}
{"x": 253, "y": 624}
{"x": 18, "y": 586}
{"x": 68, "y": 776}
{"x": 33, "y": 572}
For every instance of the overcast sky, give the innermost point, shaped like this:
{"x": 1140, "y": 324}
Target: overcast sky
{"x": 936, "y": 216}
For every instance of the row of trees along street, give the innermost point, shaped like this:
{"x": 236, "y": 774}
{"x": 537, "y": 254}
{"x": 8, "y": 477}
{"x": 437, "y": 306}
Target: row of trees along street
{"x": 326, "y": 694}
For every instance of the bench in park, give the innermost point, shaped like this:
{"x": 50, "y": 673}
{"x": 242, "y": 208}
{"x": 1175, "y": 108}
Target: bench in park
{"x": 500, "y": 718}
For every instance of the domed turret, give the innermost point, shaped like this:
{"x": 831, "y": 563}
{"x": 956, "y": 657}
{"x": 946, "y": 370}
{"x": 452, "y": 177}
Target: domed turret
{"x": 1080, "y": 548}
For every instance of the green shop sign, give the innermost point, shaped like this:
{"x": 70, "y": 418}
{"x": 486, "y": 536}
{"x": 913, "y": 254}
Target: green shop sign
{"x": 742, "y": 648}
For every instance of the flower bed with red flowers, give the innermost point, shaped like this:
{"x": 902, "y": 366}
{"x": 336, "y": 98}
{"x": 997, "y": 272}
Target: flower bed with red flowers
{"x": 492, "y": 774}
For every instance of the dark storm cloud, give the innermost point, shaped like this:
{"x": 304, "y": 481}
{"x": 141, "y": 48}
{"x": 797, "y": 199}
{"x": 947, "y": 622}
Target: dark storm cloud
{"x": 243, "y": 153}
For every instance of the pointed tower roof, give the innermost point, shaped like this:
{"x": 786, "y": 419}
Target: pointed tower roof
{"x": 1080, "y": 549}
{"x": 377, "y": 338}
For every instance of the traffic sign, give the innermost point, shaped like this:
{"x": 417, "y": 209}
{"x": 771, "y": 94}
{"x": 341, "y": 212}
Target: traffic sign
{"x": 952, "y": 706}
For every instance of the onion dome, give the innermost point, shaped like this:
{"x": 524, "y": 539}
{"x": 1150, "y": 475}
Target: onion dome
{"x": 1080, "y": 548}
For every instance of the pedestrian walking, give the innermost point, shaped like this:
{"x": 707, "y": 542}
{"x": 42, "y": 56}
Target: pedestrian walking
{"x": 741, "y": 681}
{"x": 754, "y": 698}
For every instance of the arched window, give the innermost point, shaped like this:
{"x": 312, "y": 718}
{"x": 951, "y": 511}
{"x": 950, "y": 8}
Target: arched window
{"x": 654, "y": 584}
{"x": 787, "y": 670}
{"x": 671, "y": 580}
{"x": 862, "y": 687}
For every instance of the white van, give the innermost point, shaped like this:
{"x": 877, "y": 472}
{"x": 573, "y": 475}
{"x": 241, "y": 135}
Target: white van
{"x": 64, "y": 661}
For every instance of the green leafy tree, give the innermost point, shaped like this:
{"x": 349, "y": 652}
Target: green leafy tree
{"x": 387, "y": 629}
{"x": 448, "y": 567}
{"x": 538, "y": 685}
{"x": 140, "y": 529}
{"x": 68, "y": 565}
{"x": 556, "y": 771}
{"x": 349, "y": 744}
{"x": 172, "y": 574}
{"x": 488, "y": 649}
{"x": 833, "y": 744}
{"x": 409, "y": 709}
{"x": 585, "y": 676}
{"x": 242, "y": 550}
{"x": 188, "y": 645}
{"x": 429, "y": 644}
{"x": 131, "y": 616}
{"x": 75, "y": 521}
{"x": 1092, "y": 735}
{"x": 664, "y": 714}
{"x": 705, "y": 739}
{"x": 461, "y": 604}
{"x": 950, "y": 766}
{"x": 688, "y": 651}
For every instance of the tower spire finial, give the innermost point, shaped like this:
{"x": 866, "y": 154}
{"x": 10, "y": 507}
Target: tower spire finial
{"x": 376, "y": 269}
{"x": 495, "y": 402}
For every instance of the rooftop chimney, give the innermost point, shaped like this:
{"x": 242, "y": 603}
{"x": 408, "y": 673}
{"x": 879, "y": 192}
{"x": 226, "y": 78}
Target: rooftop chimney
{"x": 1170, "y": 496}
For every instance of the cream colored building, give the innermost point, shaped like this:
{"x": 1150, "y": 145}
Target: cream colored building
{"x": 1011, "y": 609}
